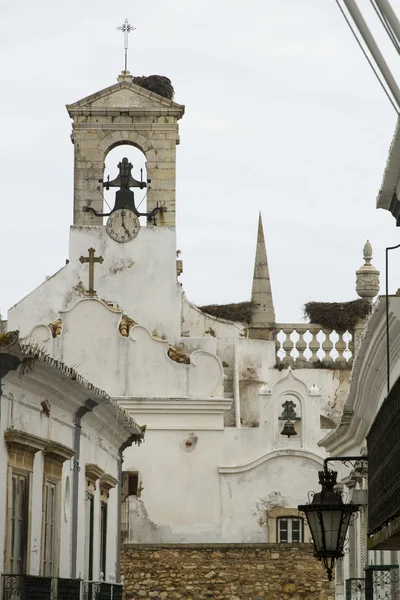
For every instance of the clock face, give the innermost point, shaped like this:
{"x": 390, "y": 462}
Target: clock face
{"x": 122, "y": 225}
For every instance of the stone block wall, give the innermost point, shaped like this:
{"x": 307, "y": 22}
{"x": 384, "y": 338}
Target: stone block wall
{"x": 224, "y": 572}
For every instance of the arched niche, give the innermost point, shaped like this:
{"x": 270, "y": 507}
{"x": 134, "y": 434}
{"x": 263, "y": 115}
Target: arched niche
{"x": 289, "y": 399}
{"x": 137, "y": 158}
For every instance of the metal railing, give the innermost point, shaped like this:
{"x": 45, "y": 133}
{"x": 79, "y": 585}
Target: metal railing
{"x": 101, "y": 590}
{"x": 381, "y": 582}
{"x": 30, "y": 587}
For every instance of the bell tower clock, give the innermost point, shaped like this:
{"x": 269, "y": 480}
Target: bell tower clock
{"x": 124, "y": 113}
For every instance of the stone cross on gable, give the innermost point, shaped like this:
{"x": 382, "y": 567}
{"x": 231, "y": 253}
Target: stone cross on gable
{"x": 91, "y": 260}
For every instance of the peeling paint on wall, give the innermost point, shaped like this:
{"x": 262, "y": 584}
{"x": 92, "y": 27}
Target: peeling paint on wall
{"x": 190, "y": 443}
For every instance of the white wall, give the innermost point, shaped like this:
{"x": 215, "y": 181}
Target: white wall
{"x": 102, "y": 435}
{"x": 153, "y": 301}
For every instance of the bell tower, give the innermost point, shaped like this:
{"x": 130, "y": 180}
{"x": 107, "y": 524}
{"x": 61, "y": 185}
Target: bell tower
{"x": 125, "y": 113}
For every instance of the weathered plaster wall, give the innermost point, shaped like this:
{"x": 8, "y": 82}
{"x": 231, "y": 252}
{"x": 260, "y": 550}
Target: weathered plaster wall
{"x": 224, "y": 572}
{"x": 22, "y": 409}
{"x": 123, "y": 278}
{"x": 217, "y": 489}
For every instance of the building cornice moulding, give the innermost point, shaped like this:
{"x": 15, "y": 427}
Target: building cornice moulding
{"x": 59, "y": 452}
{"x": 16, "y": 438}
{"x": 174, "y": 405}
{"x": 256, "y": 462}
{"x": 107, "y": 482}
{"x": 93, "y": 472}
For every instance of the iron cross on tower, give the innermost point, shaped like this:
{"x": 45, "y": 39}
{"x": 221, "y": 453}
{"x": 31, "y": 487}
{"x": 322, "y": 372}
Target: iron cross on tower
{"x": 91, "y": 260}
{"x": 126, "y": 28}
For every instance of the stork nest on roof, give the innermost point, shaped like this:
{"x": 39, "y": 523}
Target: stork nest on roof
{"x": 241, "y": 311}
{"x": 156, "y": 83}
{"x": 341, "y": 316}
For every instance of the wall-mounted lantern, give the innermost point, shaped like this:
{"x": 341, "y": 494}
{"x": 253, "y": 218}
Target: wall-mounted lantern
{"x": 329, "y": 517}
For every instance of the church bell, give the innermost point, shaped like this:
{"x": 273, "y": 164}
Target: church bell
{"x": 288, "y": 429}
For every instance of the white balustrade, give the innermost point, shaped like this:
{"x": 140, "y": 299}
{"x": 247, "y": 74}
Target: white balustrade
{"x": 309, "y": 345}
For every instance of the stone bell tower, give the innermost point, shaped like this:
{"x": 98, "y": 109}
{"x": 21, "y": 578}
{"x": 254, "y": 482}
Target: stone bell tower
{"x": 124, "y": 113}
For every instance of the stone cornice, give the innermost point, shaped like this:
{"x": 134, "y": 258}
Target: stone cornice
{"x": 107, "y": 482}
{"x": 255, "y": 462}
{"x": 174, "y": 405}
{"x": 93, "y": 472}
{"x": 164, "y": 103}
{"x": 23, "y": 440}
{"x": 98, "y": 111}
{"x": 58, "y": 451}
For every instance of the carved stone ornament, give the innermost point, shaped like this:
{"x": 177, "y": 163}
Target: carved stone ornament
{"x": 126, "y": 325}
{"x": 56, "y": 328}
{"x": 367, "y": 285}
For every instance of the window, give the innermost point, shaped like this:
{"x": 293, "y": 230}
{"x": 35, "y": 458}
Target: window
{"x": 132, "y": 484}
{"x": 103, "y": 537}
{"x": 50, "y": 529}
{"x": 18, "y": 523}
{"x": 289, "y": 530}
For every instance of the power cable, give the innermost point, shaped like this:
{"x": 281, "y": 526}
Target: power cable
{"x": 367, "y": 57}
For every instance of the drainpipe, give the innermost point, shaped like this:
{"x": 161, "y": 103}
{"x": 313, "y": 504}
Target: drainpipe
{"x": 236, "y": 388}
{"x": 81, "y": 412}
{"x": 125, "y": 445}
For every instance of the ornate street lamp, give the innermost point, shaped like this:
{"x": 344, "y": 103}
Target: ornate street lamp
{"x": 328, "y": 518}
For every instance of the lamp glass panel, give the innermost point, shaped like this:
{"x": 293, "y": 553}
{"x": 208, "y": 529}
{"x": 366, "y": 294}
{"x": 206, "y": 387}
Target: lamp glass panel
{"x": 313, "y": 518}
{"x": 331, "y": 520}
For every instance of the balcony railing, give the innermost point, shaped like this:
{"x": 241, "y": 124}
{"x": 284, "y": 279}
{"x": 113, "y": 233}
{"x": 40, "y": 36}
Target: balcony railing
{"x": 100, "y": 590}
{"x": 30, "y": 587}
{"x": 384, "y": 463}
{"x": 305, "y": 346}
{"x": 380, "y": 582}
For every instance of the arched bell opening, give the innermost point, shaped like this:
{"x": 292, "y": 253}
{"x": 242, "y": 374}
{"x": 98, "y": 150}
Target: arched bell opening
{"x": 290, "y": 417}
{"x": 137, "y": 159}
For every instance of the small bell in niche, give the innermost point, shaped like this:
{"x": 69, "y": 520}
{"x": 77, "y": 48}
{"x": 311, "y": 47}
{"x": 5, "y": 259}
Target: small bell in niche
{"x": 288, "y": 429}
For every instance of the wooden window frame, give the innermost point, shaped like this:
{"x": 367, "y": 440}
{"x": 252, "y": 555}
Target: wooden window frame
{"x": 56, "y": 526}
{"x": 290, "y": 519}
{"x": 25, "y": 529}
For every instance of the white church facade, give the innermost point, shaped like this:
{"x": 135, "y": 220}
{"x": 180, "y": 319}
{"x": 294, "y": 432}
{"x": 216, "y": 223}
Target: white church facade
{"x": 234, "y": 403}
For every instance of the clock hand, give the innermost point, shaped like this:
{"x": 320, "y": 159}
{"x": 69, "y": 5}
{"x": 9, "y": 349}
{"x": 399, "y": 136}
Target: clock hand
{"x": 123, "y": 223}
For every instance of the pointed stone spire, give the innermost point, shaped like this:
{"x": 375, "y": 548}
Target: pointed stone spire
{"x": 367, "y": 285}
{"x": 263, "y": 317}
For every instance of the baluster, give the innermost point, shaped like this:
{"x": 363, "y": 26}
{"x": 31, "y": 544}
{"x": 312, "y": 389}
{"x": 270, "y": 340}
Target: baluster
{"x": 279, "y": 352}
{"x": 340, "y": 348}
{"x": 350, "y": 346}
{"x": 287, "y": 346}
{"x": 314, "y": 345}
{"x": 301, "y": 346}
{"x": 327, "y": 346}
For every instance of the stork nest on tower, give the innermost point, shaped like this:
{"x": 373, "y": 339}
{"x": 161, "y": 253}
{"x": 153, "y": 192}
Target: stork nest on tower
{"x": 156, "y": 83}
{"x": 241, "y": 311}
{"x": 341, "y": 316}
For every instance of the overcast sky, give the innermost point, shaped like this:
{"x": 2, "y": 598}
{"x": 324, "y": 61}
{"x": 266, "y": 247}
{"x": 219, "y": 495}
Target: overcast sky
{"x": 283, "y": 115}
